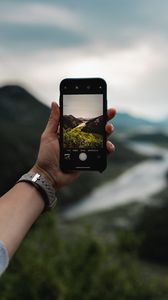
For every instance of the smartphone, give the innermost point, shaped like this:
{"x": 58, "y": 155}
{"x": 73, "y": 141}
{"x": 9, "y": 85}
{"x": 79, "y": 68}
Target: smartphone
{"x": 83, "y": 116}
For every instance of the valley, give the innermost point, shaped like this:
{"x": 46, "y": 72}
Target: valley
{"x": 82, "y": 133}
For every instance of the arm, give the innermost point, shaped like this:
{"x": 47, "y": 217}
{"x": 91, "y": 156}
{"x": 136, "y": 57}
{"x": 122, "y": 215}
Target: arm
{"x": 23, "y": 204}
{"x": 19, "y": 208}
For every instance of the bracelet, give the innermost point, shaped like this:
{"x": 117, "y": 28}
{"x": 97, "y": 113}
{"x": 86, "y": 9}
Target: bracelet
{"x": 43, "y": 186}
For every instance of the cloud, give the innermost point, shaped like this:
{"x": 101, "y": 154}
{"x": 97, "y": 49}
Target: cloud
{"x": 29, "y": 26}
{"x": 131, "y": 74}
{"x": 41, "y": 14}
{"x": 121, "y": 23}
{"x": 27, "y": 38}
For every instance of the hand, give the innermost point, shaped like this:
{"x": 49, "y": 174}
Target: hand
{"x": 49, "y": 152}
{"x": 111, "y": 112}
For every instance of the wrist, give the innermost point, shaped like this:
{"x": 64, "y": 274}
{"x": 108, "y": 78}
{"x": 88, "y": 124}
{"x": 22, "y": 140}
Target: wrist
{"x": 43, "y": 185}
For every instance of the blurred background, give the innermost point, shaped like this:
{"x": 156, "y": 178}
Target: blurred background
{"x": 108, "y": 237}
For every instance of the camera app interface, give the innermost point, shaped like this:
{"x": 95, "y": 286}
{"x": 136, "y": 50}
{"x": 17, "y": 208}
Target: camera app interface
{"x": 82, "y": 125}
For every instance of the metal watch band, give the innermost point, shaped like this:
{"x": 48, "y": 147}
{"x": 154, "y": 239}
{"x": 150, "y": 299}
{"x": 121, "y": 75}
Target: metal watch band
{"x": 44, "y": 186}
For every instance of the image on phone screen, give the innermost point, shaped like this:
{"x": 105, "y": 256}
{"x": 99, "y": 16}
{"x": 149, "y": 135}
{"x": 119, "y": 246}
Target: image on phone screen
{"x": 83, "y": 121}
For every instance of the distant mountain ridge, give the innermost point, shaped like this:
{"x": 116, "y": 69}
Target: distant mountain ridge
{"x": 93, "y": 125}
{"x": 124, "y": 122}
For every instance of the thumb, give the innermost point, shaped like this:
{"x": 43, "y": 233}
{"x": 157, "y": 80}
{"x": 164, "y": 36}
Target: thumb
{"x": 53, "y": 120}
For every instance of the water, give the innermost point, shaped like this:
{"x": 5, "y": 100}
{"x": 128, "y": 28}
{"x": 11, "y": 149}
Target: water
{"x": 136, "y": 184}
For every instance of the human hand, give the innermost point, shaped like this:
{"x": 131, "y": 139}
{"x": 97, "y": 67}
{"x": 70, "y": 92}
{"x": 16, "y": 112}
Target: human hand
{"x": 47, "y": 162}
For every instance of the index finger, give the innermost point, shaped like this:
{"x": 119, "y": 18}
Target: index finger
{"x": 111, "y": 113}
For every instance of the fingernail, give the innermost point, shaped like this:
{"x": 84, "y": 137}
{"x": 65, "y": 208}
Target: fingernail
{"x": 112, "y": 147}
{"x": 112, "y": 127}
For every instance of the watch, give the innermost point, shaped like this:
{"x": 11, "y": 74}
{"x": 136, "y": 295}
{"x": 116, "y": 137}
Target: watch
{"x": 44, "y": 187}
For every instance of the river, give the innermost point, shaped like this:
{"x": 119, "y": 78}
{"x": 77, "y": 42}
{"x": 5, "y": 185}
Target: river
{"x": 138, "y": 183}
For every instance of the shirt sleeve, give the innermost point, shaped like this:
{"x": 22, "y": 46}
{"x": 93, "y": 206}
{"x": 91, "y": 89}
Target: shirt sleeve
{"x": 4, "y": 258}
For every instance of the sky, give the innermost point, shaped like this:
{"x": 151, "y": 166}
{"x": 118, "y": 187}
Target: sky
{"x": 83, "y": 106}
{"x": 123, "y": 41}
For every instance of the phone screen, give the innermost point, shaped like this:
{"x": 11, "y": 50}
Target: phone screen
{"x": 83, "y": 117}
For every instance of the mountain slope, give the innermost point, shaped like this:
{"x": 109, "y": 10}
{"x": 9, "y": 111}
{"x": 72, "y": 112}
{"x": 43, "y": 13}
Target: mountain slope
{"x": 22, "y": 119}
{"x": 126, "y": 123}
{"x": 94, "y": 125}
{"x": 70, "y": 121}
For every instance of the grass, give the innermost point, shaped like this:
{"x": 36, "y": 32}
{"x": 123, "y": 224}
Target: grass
{"x": 76, "y": 138}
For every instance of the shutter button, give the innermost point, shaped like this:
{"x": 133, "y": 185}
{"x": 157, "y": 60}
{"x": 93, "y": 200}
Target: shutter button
{"x": 82, "y": 156}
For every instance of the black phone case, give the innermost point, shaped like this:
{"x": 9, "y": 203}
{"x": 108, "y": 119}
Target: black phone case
{"x": 70, "y": 83}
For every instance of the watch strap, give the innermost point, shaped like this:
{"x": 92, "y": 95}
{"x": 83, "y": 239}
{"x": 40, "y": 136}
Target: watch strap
{"x": 44, "y": 187}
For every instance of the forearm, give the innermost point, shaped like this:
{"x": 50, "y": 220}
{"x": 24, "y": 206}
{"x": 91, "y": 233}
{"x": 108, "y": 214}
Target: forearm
{"x": 19, "y": 208}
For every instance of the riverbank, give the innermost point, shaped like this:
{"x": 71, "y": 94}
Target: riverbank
{"x": 117, "y": 163}
{"x": 138, "y": 183}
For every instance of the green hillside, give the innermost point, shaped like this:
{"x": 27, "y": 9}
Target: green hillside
{"x": 22, "y": 119}
{"x": 76, "y": 138}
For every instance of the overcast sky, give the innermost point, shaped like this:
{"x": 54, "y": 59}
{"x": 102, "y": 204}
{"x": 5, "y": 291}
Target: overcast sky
{"x": 83, "y": 106}
{"x": 123, "y": 41}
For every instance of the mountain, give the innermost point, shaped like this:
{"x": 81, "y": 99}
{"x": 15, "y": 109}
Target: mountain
{"x": 126, "y": 123}
{"x": 70, "y": 121}
{"x": 94, "y": 125}
{"x": 163, "y": 123}
{"x": 91, "y": 125}
{"x": 157, "y": 137}
{"x": 22, "y": 120}
{"x": 19, "y": 106}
